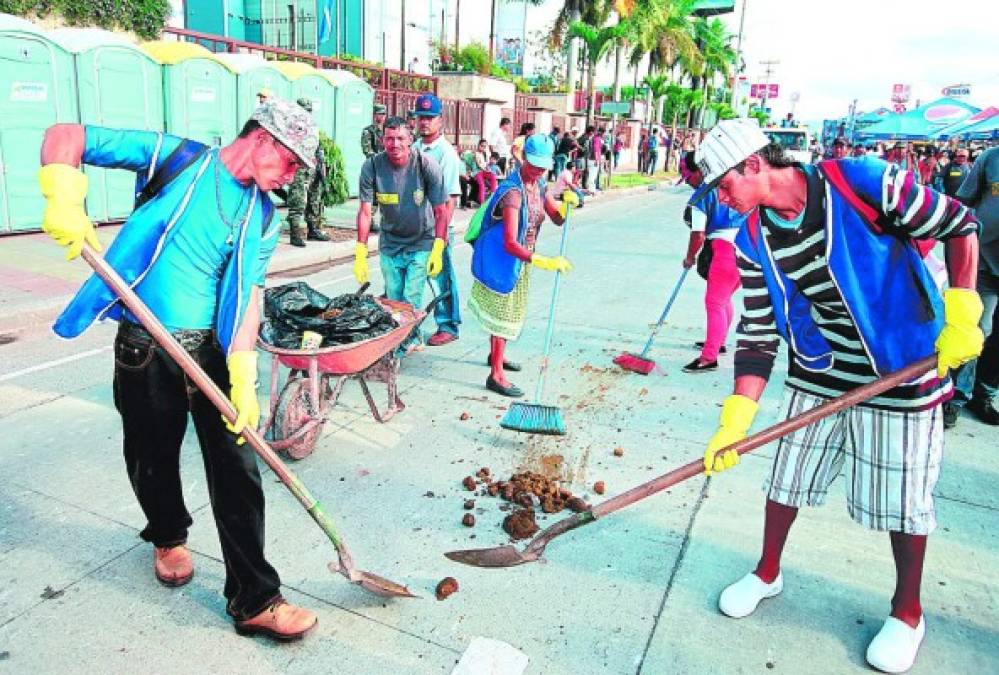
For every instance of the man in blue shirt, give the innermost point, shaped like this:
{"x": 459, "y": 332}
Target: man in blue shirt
{"x": 195, "y": 249}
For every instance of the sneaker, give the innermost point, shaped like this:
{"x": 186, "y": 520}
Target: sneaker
{"x": 281, "y": 621}
{"x": 700, "y": 345}
{"x": 441, "y": 337}
{"x": 983, "y": 409}
{"x": 893, "y": 649}
{"x": 741, "y": 598}
{"x": 173, "y": 566}
{"x": 951, "y": 412}
{"x": 696, "y": 366}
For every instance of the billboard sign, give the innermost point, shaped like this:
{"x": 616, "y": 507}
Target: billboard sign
{"x": 957, "y": 90}
{"x": 764, "y": 90}
{"x": 900, "y": 94}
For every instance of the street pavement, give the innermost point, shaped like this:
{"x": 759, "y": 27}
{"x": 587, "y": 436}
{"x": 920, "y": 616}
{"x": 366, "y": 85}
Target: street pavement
{"x": 633, "y": 593}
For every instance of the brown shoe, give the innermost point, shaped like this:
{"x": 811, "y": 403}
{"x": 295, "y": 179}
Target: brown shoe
{"x": 281, "y": 621}
{"x": 173, "y": 566}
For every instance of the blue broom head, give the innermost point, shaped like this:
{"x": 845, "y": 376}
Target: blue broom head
{"x": 534, "y": 418}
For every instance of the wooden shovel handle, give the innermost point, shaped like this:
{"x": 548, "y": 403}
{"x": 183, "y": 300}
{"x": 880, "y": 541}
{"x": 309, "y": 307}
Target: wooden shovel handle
{"x": 847, "y": 400}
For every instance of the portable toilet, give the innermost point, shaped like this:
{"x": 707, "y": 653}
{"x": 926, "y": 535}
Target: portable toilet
{"x": 199, "y": 92}
{"x": 37, "y": 90}
{"x": 253, "y": 74}
{"x": 355, "y": 100}
{"x": 315, "y": 85}
{"x": 107, "y": 64}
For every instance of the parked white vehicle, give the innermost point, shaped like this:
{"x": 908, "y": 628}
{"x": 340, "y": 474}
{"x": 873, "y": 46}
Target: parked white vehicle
{"x": 796, "y": 141}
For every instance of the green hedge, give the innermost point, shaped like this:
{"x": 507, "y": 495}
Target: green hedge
{"x": 145, "y": 18}
{"x": 336, "y": 174}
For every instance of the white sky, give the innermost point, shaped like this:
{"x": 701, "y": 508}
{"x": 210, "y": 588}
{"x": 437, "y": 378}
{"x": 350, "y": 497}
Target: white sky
{"x": 832, "y": 51}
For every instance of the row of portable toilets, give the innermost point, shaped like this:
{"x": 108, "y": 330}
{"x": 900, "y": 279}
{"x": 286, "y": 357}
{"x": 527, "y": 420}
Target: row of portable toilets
{"x": 92, "y": 76}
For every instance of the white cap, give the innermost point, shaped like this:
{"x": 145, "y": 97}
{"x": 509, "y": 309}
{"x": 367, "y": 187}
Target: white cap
{"x": 727, "y": 145}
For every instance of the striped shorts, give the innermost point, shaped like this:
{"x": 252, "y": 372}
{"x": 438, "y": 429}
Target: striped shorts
{"x": 891, "y": 460}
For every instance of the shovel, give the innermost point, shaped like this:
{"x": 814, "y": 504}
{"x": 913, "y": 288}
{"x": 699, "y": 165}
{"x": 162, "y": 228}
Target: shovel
{"x": 345, "y": 562}
{"x": 509, "y": 556}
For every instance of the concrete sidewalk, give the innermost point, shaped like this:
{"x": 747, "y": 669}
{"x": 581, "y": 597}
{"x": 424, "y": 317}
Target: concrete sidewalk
{"x": 633, "y": 593}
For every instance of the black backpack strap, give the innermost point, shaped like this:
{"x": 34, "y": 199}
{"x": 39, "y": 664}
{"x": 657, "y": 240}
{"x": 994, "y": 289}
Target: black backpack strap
{"x": 183, "y": 156}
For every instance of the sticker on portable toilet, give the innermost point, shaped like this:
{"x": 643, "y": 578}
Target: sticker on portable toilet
{"x": 203, "y": 95}
{"x": 29, "y": 92}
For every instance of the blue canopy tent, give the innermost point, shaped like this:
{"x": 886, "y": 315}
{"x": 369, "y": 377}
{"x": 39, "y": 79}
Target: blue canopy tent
{"x": 921, "y": 123}
{"x": 982, "y": 126}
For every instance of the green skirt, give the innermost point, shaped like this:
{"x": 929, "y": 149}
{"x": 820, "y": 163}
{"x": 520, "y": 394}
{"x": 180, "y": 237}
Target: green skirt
{"x": 502, "y": 315}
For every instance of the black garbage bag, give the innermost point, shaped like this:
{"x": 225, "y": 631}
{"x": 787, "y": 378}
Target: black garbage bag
{"x": 292, "y": 309}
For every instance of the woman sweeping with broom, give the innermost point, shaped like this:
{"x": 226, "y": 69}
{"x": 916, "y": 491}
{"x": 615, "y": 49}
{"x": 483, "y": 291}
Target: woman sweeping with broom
{"x": 504, "y": 251}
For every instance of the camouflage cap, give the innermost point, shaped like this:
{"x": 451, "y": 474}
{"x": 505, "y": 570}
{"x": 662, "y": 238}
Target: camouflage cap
{"x": 380, "y": 109}
{"x": 291, "y": 125}
{"x": 305, "y": 103}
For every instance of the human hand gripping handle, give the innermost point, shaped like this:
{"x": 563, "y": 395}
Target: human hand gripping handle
{"x": 556, "y": 264}
{"x": 737, "y": 416}
{"x": 65, "y": 188}
{"x": 361, "y": 263}
{"x": 435, "y": 263}
{"x": 569, "y": 198}
{"x": 961, "y": 339}
{"x": 243, "y": 391}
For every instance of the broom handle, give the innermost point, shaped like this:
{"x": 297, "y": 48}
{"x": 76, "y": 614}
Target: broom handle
{"x": 669, "y": 305}
{"x": 213, "y": 393}
{"x": 550, "y": 331}
{"x": 830, "y": 407}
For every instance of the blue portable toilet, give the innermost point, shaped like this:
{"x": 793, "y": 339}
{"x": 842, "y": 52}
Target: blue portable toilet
{"x": 199, "y": 92}
{"x": 253, "y": 75}
{"x": 39, "y": 90}
{"x": 106, "y": 65}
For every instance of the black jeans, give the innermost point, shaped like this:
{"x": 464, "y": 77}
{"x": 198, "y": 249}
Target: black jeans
{"x": 154, "y": 397}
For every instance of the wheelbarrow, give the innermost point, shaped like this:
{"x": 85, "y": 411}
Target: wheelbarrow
{"x": 316, "y": 378}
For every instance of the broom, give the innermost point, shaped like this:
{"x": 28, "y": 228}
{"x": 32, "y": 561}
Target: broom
{"x": 537, "y": 418}
{"x": 638, "y": 363}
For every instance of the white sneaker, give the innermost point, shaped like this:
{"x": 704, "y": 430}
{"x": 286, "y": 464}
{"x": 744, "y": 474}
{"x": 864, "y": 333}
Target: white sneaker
{"x": 893, "y": 649}
{"x": 741, "y": 598}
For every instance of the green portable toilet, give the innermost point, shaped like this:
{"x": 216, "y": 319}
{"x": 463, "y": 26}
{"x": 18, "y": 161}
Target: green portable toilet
{"x": 199, "y": 92}
{"x": 36, "y": 90}
{"x": 355, "y": 100}
{"x": 254, "y": 74}
{"x": 315, "y": 85}
{"x": 107, "y": 64}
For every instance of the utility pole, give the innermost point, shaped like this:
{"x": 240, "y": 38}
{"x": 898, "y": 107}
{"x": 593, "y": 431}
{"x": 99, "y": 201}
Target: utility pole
{"x": 457, "y": 25}
{"x": 738, "y": 51}
{"x": 766, "y": 81}
{"x": 492, "y": 30}
{"x": 402, "y": 37}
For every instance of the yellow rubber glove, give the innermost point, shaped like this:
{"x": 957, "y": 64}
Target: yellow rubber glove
{"x": 243, "y": 391}
{"x": 737, "y": 416}
{"x": 435, "y": 263}
{"x": 556, "y": 264}
{"x": 64, "y": 188}
{"x": 361, "y": 263}
{"x": 961, "y": 339}
{"x": 569, "y": 198}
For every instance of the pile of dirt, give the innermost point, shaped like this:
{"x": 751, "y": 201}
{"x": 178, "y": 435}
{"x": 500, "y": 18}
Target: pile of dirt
{"x": 527, "y": 491}
{"x": 520, "y": 524}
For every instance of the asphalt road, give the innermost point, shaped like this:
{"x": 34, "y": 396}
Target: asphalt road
{"x": 635, "y": 593}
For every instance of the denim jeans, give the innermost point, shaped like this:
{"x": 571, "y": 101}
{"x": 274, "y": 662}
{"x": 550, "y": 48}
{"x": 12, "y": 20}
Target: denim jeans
{"x": 560, "y": 162}
{"x": 405, "y": 275}
{"x": 979, "y": 378}
{"x": 447, "y": 313}
{"x": 154, "y": 398}
{"x": 653, "y": 158}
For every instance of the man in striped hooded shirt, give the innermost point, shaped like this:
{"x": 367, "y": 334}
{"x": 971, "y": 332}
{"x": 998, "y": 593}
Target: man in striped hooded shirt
{"x": 831, "y": 262}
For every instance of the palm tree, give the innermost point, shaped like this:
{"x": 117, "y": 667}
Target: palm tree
{"x": 596, "y": 42}
{"x": 719, "y": 57}
{"x": 593, "y": 12}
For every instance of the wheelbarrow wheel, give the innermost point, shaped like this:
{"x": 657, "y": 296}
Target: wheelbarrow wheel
{"x": 298, "y": 420}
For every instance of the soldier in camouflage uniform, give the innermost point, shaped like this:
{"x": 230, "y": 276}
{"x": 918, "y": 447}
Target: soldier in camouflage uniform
{"x": 371, "y": 137}
{"x": 305, "y": 197}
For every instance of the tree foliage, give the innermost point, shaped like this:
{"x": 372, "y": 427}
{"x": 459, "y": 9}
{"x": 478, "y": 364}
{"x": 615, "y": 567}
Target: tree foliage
{"x": 337, "y": 191}
{"x": 145, "y": 18}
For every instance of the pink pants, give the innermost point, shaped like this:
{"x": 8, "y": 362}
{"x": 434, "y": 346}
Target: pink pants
{"x": 723, "y": 280}
{"x": 482, "y": 178}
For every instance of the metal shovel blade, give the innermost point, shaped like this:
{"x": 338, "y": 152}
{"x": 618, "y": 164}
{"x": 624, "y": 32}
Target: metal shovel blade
{"x": 498, "y": 556}
{"x": 372, "y": 582}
